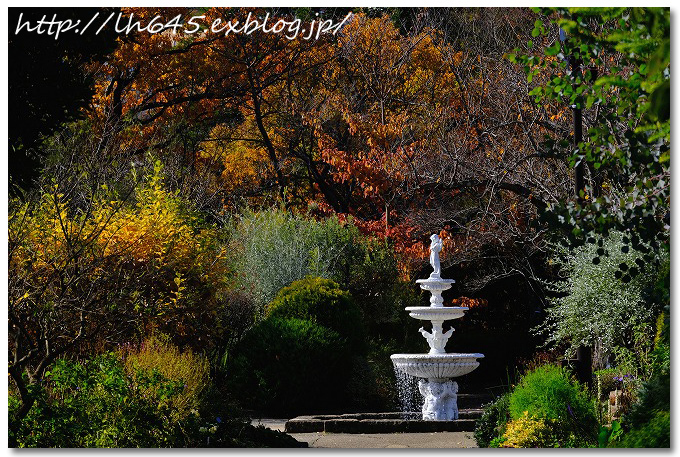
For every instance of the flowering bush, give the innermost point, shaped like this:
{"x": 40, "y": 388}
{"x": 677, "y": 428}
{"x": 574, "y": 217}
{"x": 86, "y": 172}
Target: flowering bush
{"x": 600, "y": 306}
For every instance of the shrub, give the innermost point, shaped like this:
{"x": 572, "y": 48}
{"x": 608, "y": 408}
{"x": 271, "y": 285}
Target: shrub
{"x": 653, "y": 434}
{"x": 532, "y": 432}
{"x": 546, "y": 409}
{"x": 654, "y": 396}
{"x": 273, "y": 248}
{"x": 101, "y": 403}
{"x": 96, "y": 404}
{"x": 600, "y": 306}
{"x": 493, "y": 421}
{"x": 529, "y": 431}
{"x": 549, "y": 392}
{"x": 276, "y": 248}
{"x": 289, "y": 366}
{"x": 322, "y": 301}
{"x": 191, "y": 370}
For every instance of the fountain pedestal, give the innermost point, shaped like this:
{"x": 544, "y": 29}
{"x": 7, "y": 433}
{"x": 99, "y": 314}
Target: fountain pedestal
{"x": 437, "y": 367}
{"x": 440, "y": 400}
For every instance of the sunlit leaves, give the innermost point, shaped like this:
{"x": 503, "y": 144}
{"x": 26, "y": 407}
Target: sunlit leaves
{"x": 614, "y": 64}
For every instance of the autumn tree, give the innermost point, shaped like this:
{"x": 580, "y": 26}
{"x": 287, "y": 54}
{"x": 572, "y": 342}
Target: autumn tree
{"x": 91, "y": 266}
{"x": 386, "y": 125}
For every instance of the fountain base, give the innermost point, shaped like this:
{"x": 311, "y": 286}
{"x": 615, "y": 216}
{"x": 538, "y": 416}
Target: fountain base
{"x": 440, "y": 400}
{"x": 391, "y": 422}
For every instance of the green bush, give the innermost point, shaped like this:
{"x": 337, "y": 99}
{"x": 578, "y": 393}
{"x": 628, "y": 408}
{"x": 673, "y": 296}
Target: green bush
{"x": 655, "y": 433}
{"x": 546, "y": 409}
{"x": 274, "y": 248}
{"x": 322, "y": 301}
{"x": 290, "y": 366}
{"x": 549, "y": 392}
{"x": 493, "y": 421}
{"x": 96, "y": 404}
{"x": 103, "y": 403}
{"x": 654, "y": 396}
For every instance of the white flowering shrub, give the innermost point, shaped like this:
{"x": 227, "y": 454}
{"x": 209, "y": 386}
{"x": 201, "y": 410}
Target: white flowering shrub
{"x": 604, "y": 299}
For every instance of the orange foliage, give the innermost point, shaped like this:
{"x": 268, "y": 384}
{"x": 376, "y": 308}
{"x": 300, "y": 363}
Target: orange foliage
{"x": 356, "y": 123}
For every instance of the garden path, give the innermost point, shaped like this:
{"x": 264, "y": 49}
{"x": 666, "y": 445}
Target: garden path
{"x": 440, "y": 440}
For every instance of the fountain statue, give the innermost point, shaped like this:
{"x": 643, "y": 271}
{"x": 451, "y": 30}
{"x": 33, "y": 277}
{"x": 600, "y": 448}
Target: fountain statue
{"x": 437, "y": 367}
{"x": 435, "y": 249}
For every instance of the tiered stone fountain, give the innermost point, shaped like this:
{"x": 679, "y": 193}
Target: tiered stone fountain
{"x": 437, "y": 367}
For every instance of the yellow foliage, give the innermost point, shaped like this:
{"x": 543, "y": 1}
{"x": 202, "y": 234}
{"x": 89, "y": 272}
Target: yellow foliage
{"x": 156, "y": 229}
{"x": 158, "y": 353}
{"x": 153, "y": 237}
{"x": 151, "y": 229}
{"x": 528, "y": 432}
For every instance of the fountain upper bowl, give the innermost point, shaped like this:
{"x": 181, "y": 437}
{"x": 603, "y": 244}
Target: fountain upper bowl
{"x": 435, "y": 283}
{"x": 436, "y": 367}
{"x": 436, "y": 313}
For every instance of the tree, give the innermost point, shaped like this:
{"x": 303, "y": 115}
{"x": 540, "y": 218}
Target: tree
{"x": 48, "y": 84}
{"x": 91, "y": 265}
{"x": 407, "y": 130}
{"x": 622, "y": 80}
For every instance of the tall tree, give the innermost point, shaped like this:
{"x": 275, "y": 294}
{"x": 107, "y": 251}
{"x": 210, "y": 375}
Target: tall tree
{"x": 47, "y": 82}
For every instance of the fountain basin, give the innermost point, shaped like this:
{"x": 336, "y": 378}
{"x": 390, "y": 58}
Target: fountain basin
{"x": 431, "y": 313}
{"x": 436, "y": 367}
{"x": 435, "y": 283}
{"x": 436, "y": 286}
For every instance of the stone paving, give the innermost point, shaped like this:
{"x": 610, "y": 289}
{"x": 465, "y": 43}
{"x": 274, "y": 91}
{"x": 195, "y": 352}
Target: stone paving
{"x": 439, "y": 440}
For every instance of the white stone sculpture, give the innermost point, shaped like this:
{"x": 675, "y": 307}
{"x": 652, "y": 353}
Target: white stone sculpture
{"x": 435, "y": 249}
{"x": 437, "y": 367}
{"x": 437, "y": 338}
{"x": 440, "y": 400}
